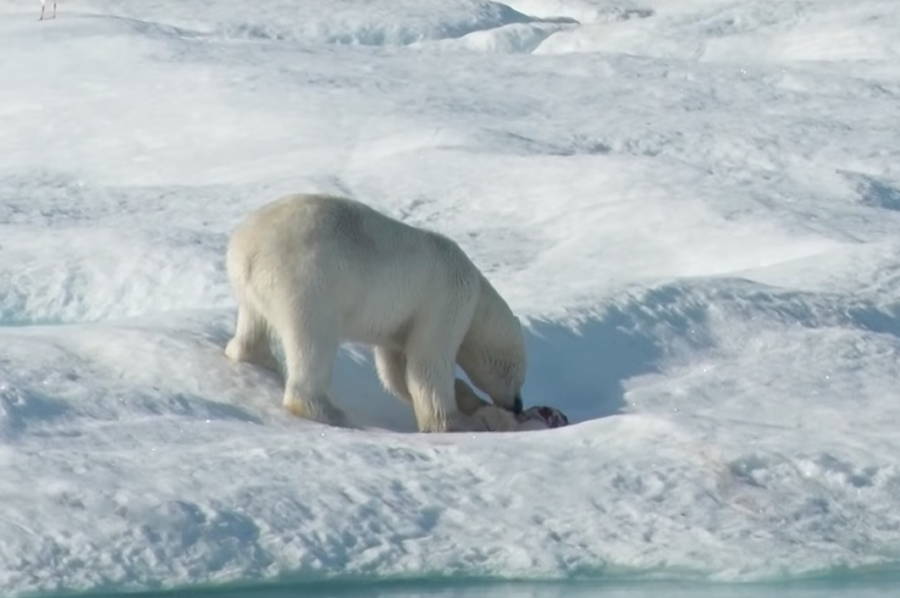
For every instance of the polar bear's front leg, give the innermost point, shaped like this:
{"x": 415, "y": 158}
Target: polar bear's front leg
{"x": 430, "y": 383}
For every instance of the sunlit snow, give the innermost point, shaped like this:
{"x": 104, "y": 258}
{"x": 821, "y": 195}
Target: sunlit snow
{"x": 694, "y": 205}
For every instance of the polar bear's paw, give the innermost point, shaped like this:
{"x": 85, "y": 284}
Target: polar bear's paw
{"x": 325, "y": 414}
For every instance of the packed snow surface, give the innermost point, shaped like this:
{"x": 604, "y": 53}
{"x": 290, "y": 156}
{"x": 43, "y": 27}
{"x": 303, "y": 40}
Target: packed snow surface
{"x": 694, "y": 205}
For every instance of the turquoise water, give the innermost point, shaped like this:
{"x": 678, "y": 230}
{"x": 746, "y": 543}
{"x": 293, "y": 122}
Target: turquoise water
{"x": 881, "y": 584}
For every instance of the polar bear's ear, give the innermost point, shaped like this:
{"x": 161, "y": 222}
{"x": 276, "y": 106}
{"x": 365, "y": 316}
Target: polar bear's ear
{"x": 466, "y": 399}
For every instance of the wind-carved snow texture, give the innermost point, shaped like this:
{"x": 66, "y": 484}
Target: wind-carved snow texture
{"x": 693, "y": 207}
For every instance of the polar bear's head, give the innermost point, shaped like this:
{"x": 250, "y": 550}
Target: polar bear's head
{"x": 499, "y": 376}
{"x": 493, "y": 355}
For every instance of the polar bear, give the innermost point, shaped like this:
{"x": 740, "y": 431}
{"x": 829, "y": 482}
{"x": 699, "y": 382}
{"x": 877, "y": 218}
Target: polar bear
{"x": 315, "y": 270}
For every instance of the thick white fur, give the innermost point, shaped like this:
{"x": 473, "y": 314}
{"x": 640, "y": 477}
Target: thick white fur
{"x": 315, "y": 271}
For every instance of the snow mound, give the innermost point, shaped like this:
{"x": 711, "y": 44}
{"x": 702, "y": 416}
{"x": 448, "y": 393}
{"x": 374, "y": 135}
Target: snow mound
{"x": 738, "y": 32}
{"x": 346, "y": 22}
{"x": 516, "y": 38}
{"x": 584, "y": 11}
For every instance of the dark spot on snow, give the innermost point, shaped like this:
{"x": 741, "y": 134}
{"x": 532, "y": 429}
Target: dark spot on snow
{"x": 876, "y": 192}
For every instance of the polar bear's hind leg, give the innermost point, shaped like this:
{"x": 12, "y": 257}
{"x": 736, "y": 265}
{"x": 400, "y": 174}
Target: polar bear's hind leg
{"x": 310, "y": 349}
{"x": 430, "y": 363}
{"x": 251, "y": 340}
{"x": 391, "y": 367}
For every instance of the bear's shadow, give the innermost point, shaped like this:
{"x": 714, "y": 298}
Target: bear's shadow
{"x": 580, "y": 371}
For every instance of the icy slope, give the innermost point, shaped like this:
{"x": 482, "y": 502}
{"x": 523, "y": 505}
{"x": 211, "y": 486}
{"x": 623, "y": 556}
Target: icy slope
{"x": 695, "y": 206}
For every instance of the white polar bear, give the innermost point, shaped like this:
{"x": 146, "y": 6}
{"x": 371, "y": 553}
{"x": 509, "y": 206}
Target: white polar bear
{"x": 317, "y": 270}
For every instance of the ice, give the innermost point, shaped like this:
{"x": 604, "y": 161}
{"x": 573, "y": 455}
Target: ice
{"x": 692, "y": 205}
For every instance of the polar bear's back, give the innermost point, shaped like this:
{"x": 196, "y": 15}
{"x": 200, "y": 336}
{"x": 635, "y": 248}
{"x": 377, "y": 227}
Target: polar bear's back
{"x": 326, "y": 227}
{"x": 345, "y": 251}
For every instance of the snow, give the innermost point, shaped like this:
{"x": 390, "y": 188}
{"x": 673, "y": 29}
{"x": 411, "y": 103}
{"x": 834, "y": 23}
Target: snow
{"x": 694, "y": 206}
